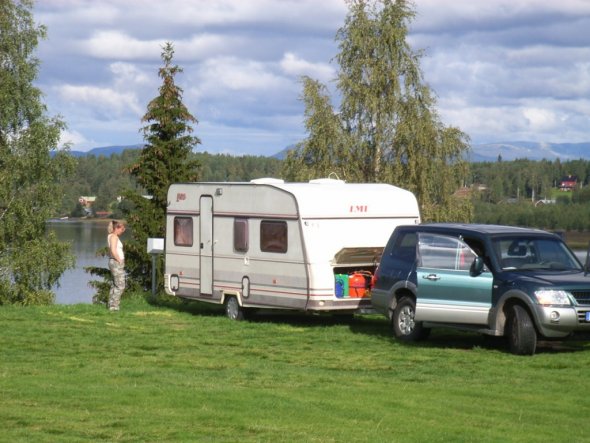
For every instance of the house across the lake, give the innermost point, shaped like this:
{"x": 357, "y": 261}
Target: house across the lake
{"x": 568, "y": 183}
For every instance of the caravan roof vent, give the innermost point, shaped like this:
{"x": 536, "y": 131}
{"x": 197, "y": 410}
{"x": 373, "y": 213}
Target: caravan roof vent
{"x": 327, "y": 181}
{"x": 267, "y": 181}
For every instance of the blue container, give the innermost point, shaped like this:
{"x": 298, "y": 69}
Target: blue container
{"x": 341, "y": 285}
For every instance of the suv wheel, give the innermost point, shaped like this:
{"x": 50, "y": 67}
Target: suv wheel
{"x": 403, "y": 324}
{"x": 521, "y": 333}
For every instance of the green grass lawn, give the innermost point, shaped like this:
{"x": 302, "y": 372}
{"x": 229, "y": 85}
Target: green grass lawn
{"x": 186, "y": 373}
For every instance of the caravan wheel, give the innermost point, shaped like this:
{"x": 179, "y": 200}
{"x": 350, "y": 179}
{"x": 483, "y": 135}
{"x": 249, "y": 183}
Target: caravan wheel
{"x": 233, "y": 310}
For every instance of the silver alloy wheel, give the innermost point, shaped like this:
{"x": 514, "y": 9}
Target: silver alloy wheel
{"x": 232, "y": 308}
{"x": 406, "y": 320}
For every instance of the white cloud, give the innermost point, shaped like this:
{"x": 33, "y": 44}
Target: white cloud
{"x": 224, "y": 75}
{"x": 540, "y": 119}
{"x": 79, "y": 12}
{"x": 434, "y": 15}
{"x": 296, "y": 66}
{"x": 106, "y": 100}
{"x": 502, "y": 69}
{"x": 127, "y": 76}
{"x": 72, "y": 138}
{"x": 200, "y": 46}
{"x": 118, "y": 45}
{"x": 199, "y": 13}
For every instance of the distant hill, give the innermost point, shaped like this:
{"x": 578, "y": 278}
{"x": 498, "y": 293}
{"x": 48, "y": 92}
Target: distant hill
{"x": 489, "y": 152}
{"x": 105, "y": 151}
{"x": 282, "y": 155}
{"x": 530, "y": 150}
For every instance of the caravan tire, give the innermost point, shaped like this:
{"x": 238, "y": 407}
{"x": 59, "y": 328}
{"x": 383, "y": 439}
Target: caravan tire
{"x": 233, "y": 310}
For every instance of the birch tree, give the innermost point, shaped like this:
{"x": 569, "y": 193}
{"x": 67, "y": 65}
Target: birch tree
{"x": 31, "y": 169}
{"x": 387, "y": 116}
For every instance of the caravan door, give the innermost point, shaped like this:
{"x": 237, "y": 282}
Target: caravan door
{"x": 206, "y": 247}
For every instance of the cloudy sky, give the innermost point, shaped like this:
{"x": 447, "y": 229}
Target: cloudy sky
{"x": 503, "y": 70}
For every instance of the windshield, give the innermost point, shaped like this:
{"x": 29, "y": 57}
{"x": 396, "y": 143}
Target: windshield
{"x": 530, "y": 253}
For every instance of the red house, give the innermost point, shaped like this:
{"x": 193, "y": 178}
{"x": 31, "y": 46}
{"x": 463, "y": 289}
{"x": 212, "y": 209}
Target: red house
{"x": 568, "y": 183}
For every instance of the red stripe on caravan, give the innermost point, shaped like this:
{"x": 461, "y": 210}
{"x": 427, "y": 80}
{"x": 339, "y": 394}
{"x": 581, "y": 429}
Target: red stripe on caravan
{"x": 260, "y": 290}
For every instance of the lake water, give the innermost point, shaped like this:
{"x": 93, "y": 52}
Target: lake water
{"x": 86, "y": 237}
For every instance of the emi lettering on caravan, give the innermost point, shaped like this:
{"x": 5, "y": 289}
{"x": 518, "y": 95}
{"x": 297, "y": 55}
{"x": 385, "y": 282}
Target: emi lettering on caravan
{"x": 359, "y": 208}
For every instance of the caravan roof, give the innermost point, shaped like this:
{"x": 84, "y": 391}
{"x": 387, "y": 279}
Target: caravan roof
{"x": 323, "y": 198}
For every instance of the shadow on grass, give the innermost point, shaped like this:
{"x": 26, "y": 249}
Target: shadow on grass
{"x": 362, "y": 324}
{"x": 186, "y": 306}
{"x": 467, "y": 341}
{"x": 375, "y": 325}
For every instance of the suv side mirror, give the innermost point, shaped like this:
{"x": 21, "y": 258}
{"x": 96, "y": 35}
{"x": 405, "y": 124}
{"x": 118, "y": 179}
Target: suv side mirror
{"x": 476, "y": 267}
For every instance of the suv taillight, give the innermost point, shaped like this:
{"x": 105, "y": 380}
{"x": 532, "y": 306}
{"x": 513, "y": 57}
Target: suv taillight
{"x": 374, "y": 277}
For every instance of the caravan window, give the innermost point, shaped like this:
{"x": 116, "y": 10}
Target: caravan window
{"x": 183, "y": 231}
{"x": 273, "y": 236}
{"x": 241, "y": 235}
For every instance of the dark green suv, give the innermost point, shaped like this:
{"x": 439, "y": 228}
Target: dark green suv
{"x": 497, "y": 280}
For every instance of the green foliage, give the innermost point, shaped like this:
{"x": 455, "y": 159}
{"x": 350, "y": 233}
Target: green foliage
{"x": 324, "y": 152}
{"x": 185, "y": 373}
{"x": 387, "y": 128}
{"x": 568, "y": 217}
{"x": 107, "y": 177}
{"x": 103, "y": 285}
{"x": 30, "y": 261}
{"x": 104, "y": 177}
{"x": 516, "y": 193}
{"x": 223, "y": 167}
{"x": 581, "y": 195}
{"x": 530, "y": 179}
{"x": 165, "y": 159}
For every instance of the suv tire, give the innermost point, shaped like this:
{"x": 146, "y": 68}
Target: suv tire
{"x": 403, "y": 324}
{"x": 522, "y": 337}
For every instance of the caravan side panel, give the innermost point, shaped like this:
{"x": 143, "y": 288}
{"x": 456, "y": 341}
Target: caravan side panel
{"x": 274, "y": 277}
{"x": 182, "y": 242}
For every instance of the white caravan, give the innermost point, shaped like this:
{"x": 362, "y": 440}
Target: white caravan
{"x": 275, "y": 245}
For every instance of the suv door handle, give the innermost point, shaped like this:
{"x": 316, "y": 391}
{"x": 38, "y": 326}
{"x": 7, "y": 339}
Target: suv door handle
{"x": 431, "y": 277}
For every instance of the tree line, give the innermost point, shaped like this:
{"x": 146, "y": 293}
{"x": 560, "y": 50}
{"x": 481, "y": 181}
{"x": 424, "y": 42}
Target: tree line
{"x": 526, "y": 193}
{"x": 527, "y": 179}
{"x": 559, "y": 216}
{"x": 106, "y": 177}
{"x": 519, "y": 192}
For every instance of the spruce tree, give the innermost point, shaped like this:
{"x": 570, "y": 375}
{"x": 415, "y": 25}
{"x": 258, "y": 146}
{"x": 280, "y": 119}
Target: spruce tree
{"x": 31, "y": 261}
{"x": 166, "y": 158}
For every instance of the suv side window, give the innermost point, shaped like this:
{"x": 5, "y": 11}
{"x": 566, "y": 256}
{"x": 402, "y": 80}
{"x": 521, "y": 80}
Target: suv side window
{"x": 442, "y": 252}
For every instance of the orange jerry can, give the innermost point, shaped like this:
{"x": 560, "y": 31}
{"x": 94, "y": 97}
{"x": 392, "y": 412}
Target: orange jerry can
{"x": 357, "y": 285}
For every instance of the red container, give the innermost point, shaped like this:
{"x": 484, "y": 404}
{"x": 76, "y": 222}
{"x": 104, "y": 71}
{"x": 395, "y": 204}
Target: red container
{"x": 357, "y": 285}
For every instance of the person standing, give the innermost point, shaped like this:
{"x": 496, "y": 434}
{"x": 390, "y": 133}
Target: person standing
{"x": 116, "y": 263}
